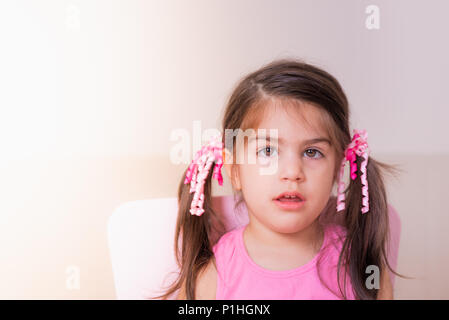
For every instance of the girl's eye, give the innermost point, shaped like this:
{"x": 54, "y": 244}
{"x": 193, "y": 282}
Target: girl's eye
{"x": 266, "y": 152}
{"x": 314, "y": 152}
{"x": 270, "y": 151}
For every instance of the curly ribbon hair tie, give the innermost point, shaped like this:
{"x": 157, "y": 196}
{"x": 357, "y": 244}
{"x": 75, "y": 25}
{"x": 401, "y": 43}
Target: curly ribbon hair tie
{"x": 359, "y": 147}
{"x": 199, "y": 170}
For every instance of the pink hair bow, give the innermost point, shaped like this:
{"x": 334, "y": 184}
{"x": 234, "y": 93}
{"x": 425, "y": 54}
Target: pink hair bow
{"x": 359, "y": 147}
{"x": 199, "y": 170}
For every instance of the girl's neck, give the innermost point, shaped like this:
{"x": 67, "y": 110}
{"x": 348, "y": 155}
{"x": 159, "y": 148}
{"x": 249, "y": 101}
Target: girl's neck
{"x": 307, "y": 240}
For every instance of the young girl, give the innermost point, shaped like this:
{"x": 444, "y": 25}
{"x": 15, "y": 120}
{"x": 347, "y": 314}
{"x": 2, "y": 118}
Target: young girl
{"x": 300, "y": 242}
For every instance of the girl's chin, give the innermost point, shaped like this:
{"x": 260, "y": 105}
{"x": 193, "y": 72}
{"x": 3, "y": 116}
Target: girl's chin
{"x": 290, "y": 224}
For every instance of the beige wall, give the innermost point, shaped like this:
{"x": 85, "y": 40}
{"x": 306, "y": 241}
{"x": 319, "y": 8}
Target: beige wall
{"x": 91, "y": 91}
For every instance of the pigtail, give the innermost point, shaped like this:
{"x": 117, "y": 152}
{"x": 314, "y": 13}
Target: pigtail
{"x": 194, "y": 230}
{"x": 368, "y": 233}
{"x": 194, "y": 236}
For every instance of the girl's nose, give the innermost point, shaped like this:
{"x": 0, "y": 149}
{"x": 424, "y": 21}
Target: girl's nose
{"x": 291, "y": 167}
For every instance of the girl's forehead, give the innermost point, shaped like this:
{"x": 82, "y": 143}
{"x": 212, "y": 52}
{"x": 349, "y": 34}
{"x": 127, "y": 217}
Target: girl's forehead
{"x": 291, "y": 119}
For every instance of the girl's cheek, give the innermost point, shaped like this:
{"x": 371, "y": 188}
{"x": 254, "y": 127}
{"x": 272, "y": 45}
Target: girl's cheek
{"x": 319, "y": 170}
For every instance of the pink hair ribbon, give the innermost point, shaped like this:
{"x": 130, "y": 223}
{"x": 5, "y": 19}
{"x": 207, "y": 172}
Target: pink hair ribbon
{"x": 199, "y": 170}
{"x": 359, "y": 147}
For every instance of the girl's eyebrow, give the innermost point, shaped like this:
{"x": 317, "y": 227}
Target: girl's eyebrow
{"x": 282, "y": 141}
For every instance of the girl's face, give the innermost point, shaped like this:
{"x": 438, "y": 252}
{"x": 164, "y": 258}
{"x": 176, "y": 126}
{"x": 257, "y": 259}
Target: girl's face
{"x": 304, "y": 167}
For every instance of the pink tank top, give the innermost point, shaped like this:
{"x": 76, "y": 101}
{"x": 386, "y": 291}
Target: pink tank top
{"x": 240, "y": 278}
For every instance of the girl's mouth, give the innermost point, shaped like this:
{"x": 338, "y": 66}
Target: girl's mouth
{"x": 289, "y": 203}
{"x": 294, "y": 199}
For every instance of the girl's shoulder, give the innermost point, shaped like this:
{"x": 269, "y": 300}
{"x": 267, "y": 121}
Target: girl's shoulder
{"x": 227, "y": 241}
{"x": 336, "y": 235}
{"x": 336, "y": 231}
{"x": 225, "y": 251}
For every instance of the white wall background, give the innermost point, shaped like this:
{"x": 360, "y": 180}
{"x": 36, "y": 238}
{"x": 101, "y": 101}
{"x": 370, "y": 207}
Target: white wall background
{"x": 91, "y": 90}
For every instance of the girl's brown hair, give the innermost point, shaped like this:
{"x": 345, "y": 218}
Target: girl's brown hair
{"x": 292, "y": 80}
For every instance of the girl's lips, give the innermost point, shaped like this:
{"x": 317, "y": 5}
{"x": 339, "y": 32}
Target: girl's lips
{"x": 289, "y": 204}
{"x": 290, "y": 194}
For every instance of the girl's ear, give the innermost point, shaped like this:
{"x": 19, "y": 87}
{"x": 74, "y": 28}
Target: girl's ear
{"x": 231, "y": 170}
